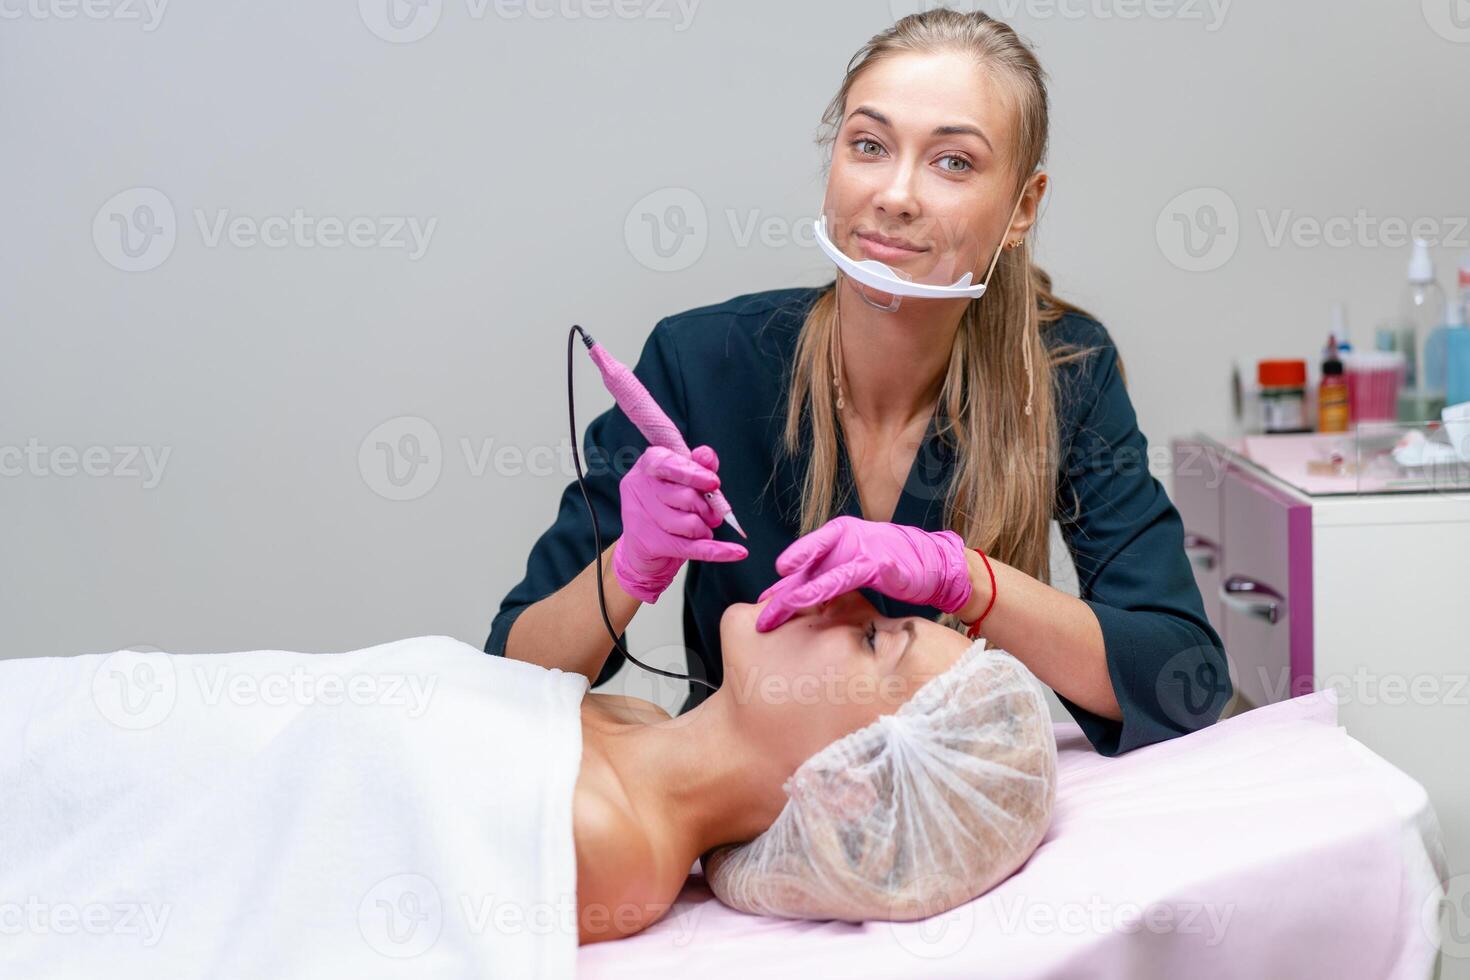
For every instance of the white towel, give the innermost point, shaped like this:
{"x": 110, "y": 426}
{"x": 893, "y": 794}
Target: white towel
{"x": 403, "y": 810}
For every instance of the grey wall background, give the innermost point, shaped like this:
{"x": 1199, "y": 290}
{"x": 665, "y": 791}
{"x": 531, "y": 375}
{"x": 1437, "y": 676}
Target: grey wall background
{"x": 531, "y": 145}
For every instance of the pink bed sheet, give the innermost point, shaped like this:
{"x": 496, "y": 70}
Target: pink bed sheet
{"x": 1271, "y": 844}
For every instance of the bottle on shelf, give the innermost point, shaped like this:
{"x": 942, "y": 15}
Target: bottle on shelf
{"x": 1421, "y": 309}
{"x": 1457, "y": 354}
{"x": 1332, "y": 391}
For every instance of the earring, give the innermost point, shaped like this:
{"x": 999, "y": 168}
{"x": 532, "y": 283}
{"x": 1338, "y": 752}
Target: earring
{"x": 1016, "y": 244}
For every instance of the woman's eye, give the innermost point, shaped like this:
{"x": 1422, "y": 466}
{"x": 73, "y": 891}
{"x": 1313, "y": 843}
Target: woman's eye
{"x": 872, "y": 635}
{"x": 862, "y": 142}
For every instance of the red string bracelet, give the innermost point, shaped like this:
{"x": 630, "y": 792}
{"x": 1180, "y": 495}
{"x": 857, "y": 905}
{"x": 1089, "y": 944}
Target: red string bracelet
{"x": 974, "y": 632}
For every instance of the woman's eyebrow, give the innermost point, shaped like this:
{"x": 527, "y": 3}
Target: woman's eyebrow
{"x": 952, "y": 130}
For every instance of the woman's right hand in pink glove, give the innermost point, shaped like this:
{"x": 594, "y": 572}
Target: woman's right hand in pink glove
{"x": 667, "y": 520}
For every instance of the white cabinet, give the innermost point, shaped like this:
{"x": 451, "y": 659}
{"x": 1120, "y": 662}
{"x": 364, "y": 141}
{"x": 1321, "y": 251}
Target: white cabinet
{"x": 1366, "y": 593}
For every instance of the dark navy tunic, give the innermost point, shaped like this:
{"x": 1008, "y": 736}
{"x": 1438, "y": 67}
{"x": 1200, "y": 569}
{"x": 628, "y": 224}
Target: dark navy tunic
{"x": 722, "y": 374}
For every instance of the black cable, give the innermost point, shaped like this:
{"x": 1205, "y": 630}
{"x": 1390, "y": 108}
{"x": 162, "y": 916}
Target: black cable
{"x": 596, "y": 531}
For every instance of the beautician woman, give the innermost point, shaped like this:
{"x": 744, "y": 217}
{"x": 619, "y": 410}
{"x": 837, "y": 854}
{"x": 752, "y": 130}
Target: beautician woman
{"x": 919, "y": 454}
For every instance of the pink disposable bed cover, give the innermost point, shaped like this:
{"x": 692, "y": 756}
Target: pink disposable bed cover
{"x": 1271, "y": 844}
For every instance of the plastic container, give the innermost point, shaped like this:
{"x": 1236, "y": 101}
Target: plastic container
{"x": 1457, "y": 357}
{"x": 1437, "y": 347}
{"x": 1283, "y": 395}
{"x": 1457, "y": 428}
{"x": 1374, "y": 378}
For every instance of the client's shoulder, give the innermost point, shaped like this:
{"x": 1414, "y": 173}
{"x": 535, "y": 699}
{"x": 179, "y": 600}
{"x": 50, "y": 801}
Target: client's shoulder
{"x": 613, "y": 858}
{"x": 622, "y": 886}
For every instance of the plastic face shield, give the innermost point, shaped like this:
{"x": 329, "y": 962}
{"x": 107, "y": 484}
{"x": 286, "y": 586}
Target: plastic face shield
{"x": 941, "y": 266}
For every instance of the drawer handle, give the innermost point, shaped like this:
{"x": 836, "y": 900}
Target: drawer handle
{"x": 1203, "y": 553}
{"x": 1252, "y": 598}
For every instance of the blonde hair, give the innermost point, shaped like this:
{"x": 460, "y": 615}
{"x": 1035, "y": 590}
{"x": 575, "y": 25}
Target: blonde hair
{"x": 1002, "y": 493}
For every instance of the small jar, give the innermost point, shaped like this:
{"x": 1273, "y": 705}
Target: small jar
{"x": 1283, "y": 386}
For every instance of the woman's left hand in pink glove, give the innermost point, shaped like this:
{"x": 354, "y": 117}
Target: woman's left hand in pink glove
{"x": 927, "y": 568}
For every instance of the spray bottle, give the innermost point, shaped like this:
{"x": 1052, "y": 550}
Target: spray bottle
{"x": 1421, "y": 309}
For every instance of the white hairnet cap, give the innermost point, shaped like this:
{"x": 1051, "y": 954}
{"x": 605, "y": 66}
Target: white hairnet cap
{"x": 913, "y": 815}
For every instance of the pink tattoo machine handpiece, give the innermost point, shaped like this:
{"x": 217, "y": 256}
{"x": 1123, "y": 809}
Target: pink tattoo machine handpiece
{"x": 640, "y": 407}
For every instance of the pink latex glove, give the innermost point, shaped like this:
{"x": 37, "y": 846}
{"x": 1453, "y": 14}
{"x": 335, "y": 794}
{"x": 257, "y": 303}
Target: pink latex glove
{"x": 666, "y": 519}
{"x": 847, "y": 553}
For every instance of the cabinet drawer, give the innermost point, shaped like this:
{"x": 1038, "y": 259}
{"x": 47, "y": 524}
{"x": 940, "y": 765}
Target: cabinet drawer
{"x": 1198, "y": 471}
{"x": 1265, "y": 588}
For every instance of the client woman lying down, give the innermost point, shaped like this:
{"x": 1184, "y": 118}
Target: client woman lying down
{"x": 879, "y": 769}
{"x": 275, "y": 813}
